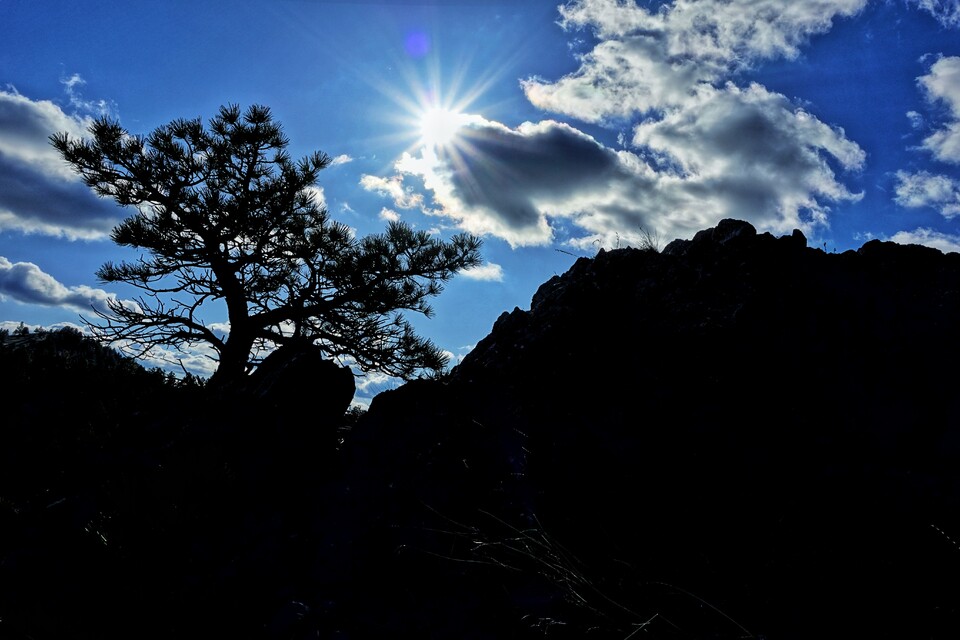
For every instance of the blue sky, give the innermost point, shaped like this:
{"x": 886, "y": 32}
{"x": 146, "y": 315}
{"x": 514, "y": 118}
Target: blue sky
{"x": 550, "y": 130}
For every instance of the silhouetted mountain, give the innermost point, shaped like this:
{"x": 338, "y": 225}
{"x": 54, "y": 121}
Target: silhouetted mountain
{"x": 738, "y": 436}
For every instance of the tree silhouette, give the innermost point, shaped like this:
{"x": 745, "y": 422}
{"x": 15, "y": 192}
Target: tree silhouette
{"x": 225, "y": 215}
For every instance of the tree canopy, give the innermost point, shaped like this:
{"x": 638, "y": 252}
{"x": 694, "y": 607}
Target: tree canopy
{"x": 224, "y": 214}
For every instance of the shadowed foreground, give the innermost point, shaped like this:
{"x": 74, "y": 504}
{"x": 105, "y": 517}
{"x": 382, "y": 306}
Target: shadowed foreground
{"x": 736, "y": 437}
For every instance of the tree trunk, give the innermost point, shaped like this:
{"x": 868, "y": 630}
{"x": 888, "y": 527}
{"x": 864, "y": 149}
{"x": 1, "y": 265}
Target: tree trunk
{"x": 236, "y": 351}
{"x": 233, "y": 362}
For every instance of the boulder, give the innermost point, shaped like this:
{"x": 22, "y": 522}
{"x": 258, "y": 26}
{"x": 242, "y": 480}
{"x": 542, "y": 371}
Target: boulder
{"x": 298, "y": 381}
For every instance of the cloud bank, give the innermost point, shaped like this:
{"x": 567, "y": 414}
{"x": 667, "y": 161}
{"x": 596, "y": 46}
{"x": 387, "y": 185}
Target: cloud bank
{"x": 701, "y": 148}
{"x": 38, "y": 191}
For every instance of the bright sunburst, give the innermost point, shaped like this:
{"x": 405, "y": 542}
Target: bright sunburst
{"x": 439, "y": 126}
{"x": 433, "y": 110}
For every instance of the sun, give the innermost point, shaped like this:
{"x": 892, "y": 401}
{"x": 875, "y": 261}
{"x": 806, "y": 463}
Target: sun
{"x": 439, "y": 126}
{"x": 435, "y": 116}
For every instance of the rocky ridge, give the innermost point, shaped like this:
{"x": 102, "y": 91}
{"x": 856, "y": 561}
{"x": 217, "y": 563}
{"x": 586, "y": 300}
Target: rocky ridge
{"x": 740, "y": 416}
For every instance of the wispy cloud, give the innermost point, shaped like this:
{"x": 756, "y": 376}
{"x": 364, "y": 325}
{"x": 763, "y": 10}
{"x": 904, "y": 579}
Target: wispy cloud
{"x": 947, "y": 12}
{"x": 39, "y": 193}
{"x": 72, "y": 85}
{"x": 340, "y": 159}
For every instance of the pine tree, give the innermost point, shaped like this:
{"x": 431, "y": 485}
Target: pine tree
{"x": 224, "y": 214}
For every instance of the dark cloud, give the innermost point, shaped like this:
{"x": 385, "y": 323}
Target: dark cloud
{"x": 34, "y": 201}
{"x": 509, "y": 182}
{"x": 509, "y": 172}
{"x": 38, "y": 191}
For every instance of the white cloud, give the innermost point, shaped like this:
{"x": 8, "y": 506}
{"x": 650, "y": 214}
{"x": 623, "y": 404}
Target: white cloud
{"x": 39, "y": 193}
{"x": 703, "y": 148}
{"x": 929, "y": 238}
{"x": 318, "y": 195}
{"x": 647, "y": 60}
{"x": 340, "y": 159}
{"x": 749, "y": 153}
{"x": 199, "y": 359}
{"x": 372, "y": 382}
{"x": 389, "y": 215}
{"x": 727, "y": 152}
{"x": 25, "y": 282}
{"x": 947, "y": 12}
{"x": 403, "y": 197}
{"x": 489, "y": 271}
{"x": 942, "y": 85}
{"x": 924, "y": 189}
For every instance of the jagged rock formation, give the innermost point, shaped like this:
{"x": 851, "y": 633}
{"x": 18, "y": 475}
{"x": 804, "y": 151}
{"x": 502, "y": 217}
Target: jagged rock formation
{"x": 767, "y": 426}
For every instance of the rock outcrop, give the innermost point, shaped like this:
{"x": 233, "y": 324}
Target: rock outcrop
{"x": 770, "y": 427}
